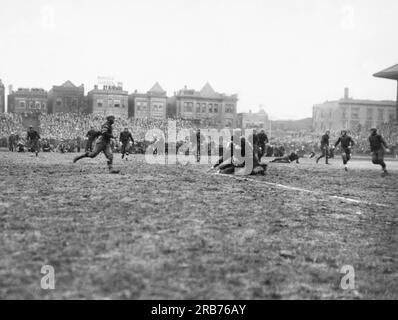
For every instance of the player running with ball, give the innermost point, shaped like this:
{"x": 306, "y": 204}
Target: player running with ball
{"x": 103, "y": 144}
{"x": 346, "y": 144}
{"x": 378, "y": 147}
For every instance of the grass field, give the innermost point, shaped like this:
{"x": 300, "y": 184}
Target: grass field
{"x": 178, "y": 232}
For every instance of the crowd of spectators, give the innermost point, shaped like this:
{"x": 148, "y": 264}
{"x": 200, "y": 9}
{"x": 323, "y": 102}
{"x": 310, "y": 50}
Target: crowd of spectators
{"x": 63, "y": 126}
{"x": 66, "y": 132}
{"x": 306, "y": 141}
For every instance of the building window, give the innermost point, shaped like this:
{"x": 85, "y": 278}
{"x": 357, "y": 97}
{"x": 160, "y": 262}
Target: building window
{"x": 215, "y": 108}
{"x": 22, "y": 104}
{"x": 203, "y": 107}
{"x": 38, "y": 105}
{"x": 392, "y": 116}
{"x": 59, "y": 102}
{"x": 100, "y": 103}
{"x": 188, "y": 106}
{"x": 355, "y": 113}
{"x": 229, "y": 108}
{"x": 117, "y": 104}
{"x": 198, "y": 108}
{"x": 381, "y": 115}
{"x": 344, "y": 112}
{"x": 210, "y": 108}
{"x": 369, "y": 114}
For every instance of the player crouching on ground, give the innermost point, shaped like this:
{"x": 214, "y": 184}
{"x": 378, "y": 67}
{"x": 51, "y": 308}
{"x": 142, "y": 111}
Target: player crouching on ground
{"x": 288, "y": 159}
{"x": 346, "y": 143}
{"x": 229, "y": 165}
{"x": 378, "y": 146}
{"x": 103, "y": 144}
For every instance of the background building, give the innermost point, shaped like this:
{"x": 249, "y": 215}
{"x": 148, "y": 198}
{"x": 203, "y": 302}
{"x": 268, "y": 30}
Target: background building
{"x": 67, "y": 98}
{"x": 151, "y": 105}
{"x": 2, "y": 98}
{"x": 27, "y": 100}
{"x": 392, "y": 74}
{"x": 108, "y": 100}
{"x": 348, "y": 113}
{"x": 250, "y": 120}
{"x": 205, "y": 105}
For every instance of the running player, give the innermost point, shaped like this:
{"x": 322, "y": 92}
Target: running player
{"x": 33, "y": 138}
{"x": 103, "y": 144}
{"x": 378, "y": 146}
{"x": 91, "y": 136}
{"x": 346, "y": 143}
{"x": 125, "y": 137}
{"x": 324, "y": 148}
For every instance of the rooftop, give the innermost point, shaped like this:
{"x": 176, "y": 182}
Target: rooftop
{"x": 389, "y": 73}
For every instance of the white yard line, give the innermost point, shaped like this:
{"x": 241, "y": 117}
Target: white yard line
{"x": 281, "y": 186}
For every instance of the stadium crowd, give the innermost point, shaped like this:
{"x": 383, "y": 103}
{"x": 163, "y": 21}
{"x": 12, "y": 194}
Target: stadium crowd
{"x": 66, "y": 132}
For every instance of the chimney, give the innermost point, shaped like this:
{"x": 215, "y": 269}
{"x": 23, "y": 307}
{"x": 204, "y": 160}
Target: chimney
{"x": 346, "y": 93}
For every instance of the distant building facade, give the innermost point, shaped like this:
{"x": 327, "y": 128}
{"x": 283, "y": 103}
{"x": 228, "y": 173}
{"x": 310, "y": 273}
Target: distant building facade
{"x": 151, "y": 105}
{"x": 67, "y": 98}
{"x": 250, "y": 120}
{"x": 108, "y": 100}
{"x": 2, "y": 98}
{"x": 348, "y": 113}
{"x": 27, "y": 100}
{"x": 206, "y": 105}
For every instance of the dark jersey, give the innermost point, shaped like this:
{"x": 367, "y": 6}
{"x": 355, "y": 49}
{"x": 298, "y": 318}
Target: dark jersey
{"x": 12, "y": 139}
{"x": 262, "y": 138}
{"x": 126, "y": 137}
{"x": 106, "y": 132}
{"x": 255, "y": 139}
{"x": 293, "y": 157}
{"x": 325, "y": 141}
{"x": 346, "y": 142}
{"x": 377, "y": 142}
{"x": 92, "y": 134}
{"x": 33, "y": 135}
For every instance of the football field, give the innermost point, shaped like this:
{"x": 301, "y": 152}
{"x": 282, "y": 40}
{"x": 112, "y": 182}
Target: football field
{"x": 182, "y": 232}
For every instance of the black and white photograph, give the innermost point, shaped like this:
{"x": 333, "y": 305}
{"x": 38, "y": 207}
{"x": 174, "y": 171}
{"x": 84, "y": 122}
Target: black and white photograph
{"x": 196, "y": 150}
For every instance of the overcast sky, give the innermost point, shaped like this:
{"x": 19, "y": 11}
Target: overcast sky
{"x": 286, "y": 55}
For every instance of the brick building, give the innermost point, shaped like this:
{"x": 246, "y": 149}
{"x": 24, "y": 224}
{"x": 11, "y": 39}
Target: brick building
{"x": 206, "y": 105}
{"x": 2, "y": 98}
{"x": 27, "y": 100}
{"x": 148, "y": 105}
{"x": 348, "y": 113}
{"x": 253, "y": 120}
{"x": 67, "y": 98}
{"x": 108, "y": 100}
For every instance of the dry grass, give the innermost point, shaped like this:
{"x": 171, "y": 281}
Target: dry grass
{"x": 176, "y": 232}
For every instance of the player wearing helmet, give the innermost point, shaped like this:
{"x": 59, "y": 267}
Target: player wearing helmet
{"x": 378, "y": 146}
{"x": 103, "y": 144}
{"x": 346, "y": 144}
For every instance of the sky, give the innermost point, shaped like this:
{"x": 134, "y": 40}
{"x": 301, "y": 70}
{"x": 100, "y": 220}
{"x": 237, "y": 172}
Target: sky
{"x": 285, "y": 55}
